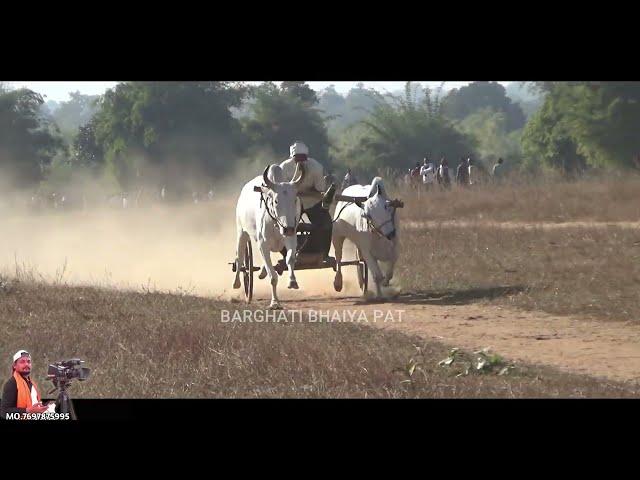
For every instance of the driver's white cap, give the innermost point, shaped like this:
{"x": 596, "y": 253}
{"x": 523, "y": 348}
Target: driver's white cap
{"x": 298, "y": 148}
{"x": 19, "y": 354}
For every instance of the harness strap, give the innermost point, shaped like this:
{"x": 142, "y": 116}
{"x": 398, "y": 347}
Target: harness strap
{"x": 340, "y": 212}
{"x": 377, "y": 229}
{"x": 266, "y": 205}
{"x": 372, "y": 227}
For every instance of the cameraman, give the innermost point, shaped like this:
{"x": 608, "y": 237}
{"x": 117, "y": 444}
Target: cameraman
{"x": 20, "y": 393}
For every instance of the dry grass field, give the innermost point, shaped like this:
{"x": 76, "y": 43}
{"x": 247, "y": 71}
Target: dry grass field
{"x": 152, "y": 345}
{"x": 154, "y": 330}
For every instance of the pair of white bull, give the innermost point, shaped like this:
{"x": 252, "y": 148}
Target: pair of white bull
{"x": 270, "y": 219}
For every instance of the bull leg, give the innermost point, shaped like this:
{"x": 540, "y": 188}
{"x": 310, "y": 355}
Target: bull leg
{"x": 391, "y": 265}
{"x": 374, "y": 268}
{"x": 273, "y": 275}
{"x": 338, "y": 242}
{"x": 291, "y": 244}
{"x": 239, "y": 257}
{"x": 388, "y": 268}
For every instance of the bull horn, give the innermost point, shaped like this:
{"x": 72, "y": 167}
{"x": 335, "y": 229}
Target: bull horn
{"x": 265, "y": 178}
{"x": 299, "y": 168}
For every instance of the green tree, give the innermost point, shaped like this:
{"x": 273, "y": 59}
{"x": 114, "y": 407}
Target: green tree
{"x": 459, "y": 103}
{"x": 359, "y": 102}
{"x": 547, "y": 141}
{"x": 183, "y": 129}
{"x": 279, "y": 117}
{"x": 333, "y": 107}
{"x": 300, "y": 90}
{"x": 341, "y": 112}
{"x": 493, "y": 141}
{"x": 586, "y": 123}
{"x": 331, "y": 101}
{"x": 28, "y": 142}
{"x": 77, "y": 111}
{"x": 530, "y": 100}
{"x": 87, "y": 152}
{"x": 400, "y": 131}
{"x": 603, "y": 120}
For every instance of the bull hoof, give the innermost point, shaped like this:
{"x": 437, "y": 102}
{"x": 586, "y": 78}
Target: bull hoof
{"x": 385, "y": 282}
{"x": 274, "y": 306}
{"x": 337, "y": 284}
{"x": 263, "y": 273}
{"x": 236, "y": 283}
{"x": 293, "y": 285}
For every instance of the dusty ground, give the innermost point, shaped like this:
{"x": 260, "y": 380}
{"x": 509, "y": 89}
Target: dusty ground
{"x": 175, "y": 250}
{"x": 155, "y": 345}
{"x": 572, "y": 344}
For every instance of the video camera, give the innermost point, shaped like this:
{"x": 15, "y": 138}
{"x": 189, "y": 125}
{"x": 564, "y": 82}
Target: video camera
{"x": 62, "y": 373}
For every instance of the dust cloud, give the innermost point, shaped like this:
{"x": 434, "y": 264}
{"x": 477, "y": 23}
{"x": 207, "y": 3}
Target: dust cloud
{"x": 168, "y": 248}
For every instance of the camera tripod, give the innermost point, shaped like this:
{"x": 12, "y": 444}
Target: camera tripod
{"x": 63, "y": 402}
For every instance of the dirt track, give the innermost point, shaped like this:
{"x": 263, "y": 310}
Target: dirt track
{"x": 169, "y": 249}
{"x": 464, "y": 319}
{"x": 605, "y": 349}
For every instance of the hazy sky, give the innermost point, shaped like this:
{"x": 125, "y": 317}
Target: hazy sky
{"x": 59, "y": 91}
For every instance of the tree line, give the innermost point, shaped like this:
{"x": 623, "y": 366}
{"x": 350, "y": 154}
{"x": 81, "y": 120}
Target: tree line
{"x": 190, "y": 132}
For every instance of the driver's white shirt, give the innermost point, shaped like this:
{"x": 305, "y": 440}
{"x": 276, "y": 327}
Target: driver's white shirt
{"x": 313, "y": 180}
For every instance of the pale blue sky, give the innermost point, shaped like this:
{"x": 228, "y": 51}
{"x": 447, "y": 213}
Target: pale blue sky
{"x": 59, "y": 91}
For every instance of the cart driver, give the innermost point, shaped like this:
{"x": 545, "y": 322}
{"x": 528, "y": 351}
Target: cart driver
{"x": 316, "y": 196}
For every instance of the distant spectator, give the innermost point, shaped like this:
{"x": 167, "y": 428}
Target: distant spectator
{"x": 444, "y": 180}
{"x": 428, "y": 173}
{"x": 472, "y": 171}
{"x": 498, "y": 171}
{"x": 462, "y": 173}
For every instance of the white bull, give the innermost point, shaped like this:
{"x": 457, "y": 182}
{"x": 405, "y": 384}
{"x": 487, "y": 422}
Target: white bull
{"x": 372, "y": 226}
{"x": 269, "y": 219}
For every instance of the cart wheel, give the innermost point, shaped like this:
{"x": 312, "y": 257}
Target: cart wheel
{"x": 247, "y": 271}
{"x": 363, "y": 274}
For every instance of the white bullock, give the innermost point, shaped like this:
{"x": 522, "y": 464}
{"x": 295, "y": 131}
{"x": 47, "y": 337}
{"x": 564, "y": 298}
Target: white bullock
{"x": 372, "y": 226}
{"x": 269, "y": 218}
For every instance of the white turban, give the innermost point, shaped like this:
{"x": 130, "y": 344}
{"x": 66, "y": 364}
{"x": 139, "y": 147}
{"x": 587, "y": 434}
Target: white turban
{"x": 298, "y": 148}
